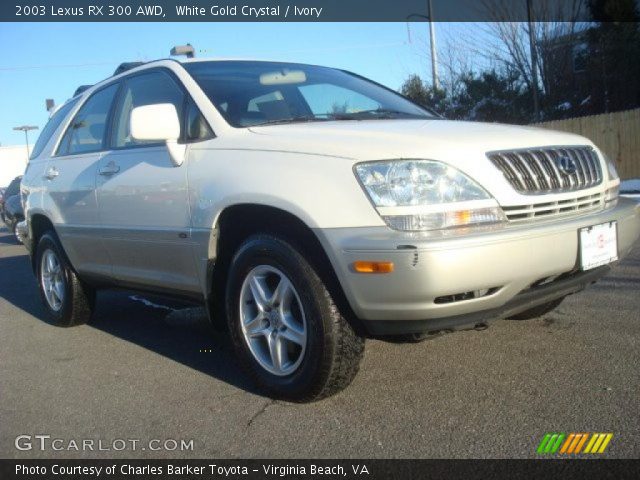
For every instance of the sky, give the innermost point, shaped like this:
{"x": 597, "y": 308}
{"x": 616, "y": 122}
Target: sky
{"x": 50, "y": 60}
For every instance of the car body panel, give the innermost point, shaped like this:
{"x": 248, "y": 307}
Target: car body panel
{"x": 71, "y": 205}
{"x": 154, "y": 225}
{"x": 145, "y": 218}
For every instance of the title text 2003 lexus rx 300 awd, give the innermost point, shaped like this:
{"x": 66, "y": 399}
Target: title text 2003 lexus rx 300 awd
{"x": 308, "y": 208}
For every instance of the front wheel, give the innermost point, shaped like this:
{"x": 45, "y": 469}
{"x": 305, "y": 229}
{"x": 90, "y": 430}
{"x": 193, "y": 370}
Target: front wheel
{"x": 284, "y": 325}
{"x": 67, "y": 299}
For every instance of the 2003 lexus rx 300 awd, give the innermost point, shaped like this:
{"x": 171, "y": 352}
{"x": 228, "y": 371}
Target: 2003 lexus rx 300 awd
{"x": 309, "y": 207}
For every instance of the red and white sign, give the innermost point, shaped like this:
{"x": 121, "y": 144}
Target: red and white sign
{"x": 598, "y": 245}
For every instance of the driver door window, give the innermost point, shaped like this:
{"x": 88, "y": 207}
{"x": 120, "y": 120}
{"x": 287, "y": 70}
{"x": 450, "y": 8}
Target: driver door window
{"x": 146, "y": 89}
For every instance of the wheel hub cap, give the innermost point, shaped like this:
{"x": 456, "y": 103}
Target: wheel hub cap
{"x": 272, "y": 320}
{"x": 52, "y": 280}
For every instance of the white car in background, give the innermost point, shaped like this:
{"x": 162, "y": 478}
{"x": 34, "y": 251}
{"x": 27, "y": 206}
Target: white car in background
{"x": 309, "y": 208}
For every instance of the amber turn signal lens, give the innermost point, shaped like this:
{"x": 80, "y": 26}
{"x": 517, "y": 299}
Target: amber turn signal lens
{"x": 373, "y": 267}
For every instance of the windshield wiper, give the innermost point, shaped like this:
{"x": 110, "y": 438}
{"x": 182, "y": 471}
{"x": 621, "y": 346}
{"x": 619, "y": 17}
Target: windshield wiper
{"x": 300, "y": 119}
{"x": 378, "y": 113}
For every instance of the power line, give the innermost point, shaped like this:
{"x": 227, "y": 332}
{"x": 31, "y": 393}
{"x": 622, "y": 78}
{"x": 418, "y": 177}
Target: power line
{"x": 71, "y": 65}
{"x": 115, "y": 62}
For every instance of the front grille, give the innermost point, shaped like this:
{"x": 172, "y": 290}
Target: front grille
{"x": 548, "y": 210}
{"x": 549, "y": 169}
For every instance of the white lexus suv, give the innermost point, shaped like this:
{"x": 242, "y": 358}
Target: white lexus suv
{"x": 309, "y": 208}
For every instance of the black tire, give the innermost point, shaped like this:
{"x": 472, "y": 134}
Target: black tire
{"x": 538, "y": 311}
{"x": 78, "y": 299}
{"x": 333, "y": 349}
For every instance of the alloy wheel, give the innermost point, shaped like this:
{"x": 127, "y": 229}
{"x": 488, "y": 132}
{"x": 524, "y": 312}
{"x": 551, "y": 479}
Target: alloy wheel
{"x": 272, "y": 320}
{"x": 52, "y": 279}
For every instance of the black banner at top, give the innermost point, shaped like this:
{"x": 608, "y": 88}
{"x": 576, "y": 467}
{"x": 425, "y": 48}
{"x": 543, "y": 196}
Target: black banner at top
{"x": 314, "y": 10}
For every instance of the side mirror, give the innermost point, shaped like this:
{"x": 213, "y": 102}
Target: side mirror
{"x": 159, "y": 122}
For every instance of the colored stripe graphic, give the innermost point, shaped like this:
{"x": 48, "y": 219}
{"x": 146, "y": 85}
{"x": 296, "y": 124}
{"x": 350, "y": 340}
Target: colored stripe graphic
{"x": 605, "y": 443}
{"x": 567, "y": 443}
{"x": 573, "y": 443}
{"x": 543, "y": 443}
{"x": 581, "y": 443}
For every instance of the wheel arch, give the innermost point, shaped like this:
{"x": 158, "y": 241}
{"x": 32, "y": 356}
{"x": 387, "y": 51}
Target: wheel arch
{"x": 39, "y": 223}
{"x": 237, "y": 222}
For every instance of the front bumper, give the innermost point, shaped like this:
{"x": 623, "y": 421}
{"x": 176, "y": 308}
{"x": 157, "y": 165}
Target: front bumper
{"x": 434, "y": 271}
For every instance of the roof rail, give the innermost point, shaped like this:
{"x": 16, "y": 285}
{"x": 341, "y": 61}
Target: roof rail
{"x": 123, "y": 67}
{"x": 81, "y": 89}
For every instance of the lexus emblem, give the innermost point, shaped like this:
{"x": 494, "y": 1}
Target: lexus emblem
{"x": 566, "y": 165}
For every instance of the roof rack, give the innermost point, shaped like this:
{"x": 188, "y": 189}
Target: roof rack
{"x": 81, "y": 89}
{"x": 123, "y": 67}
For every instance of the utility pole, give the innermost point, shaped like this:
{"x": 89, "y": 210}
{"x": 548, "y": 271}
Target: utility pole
{"x": 432, "y": 38}
{"x": 534, "y": 63}
{"x": 25, "y": 129}
{"x": 434, "y": 54}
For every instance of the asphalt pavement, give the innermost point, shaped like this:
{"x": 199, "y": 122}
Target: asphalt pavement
{"x": 147, "y": 369}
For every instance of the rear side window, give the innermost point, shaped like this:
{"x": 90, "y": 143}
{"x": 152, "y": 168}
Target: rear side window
{"x": 87, "y": 130}
{"x": 146, "y": 89}
{"x": 51, "y": 126}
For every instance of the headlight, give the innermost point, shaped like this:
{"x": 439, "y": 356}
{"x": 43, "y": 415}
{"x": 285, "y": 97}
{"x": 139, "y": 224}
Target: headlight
{"x": 426, "y": 195}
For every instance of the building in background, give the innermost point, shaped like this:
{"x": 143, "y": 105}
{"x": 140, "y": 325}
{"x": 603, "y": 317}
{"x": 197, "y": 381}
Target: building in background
{"x": 13, "y": 161}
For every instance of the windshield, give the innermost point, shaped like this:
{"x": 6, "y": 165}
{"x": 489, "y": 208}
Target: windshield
{"x": 260, "y": 93}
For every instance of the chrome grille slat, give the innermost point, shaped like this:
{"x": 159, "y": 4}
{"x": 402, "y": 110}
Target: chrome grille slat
{"x": 590, "y": 174}
{"x": 529, "y": 172}
{"x": 549, "y": 166}
{"x": 543, "y": 176}
{"x": 582, "y": 179}
{"x": 515, "y": 173}
{"x": 552, "y": 161}
{"x": 547, "y": 169}
{"x": 549, "y": 210}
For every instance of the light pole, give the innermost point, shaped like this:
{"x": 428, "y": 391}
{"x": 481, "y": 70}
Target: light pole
{"x": 432, "y": 37}
{"x": 25, "y": 129}
{"x": 534, "y": 62}
{"x": 434, "y": 54}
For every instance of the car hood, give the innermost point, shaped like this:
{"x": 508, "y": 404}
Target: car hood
{"x": 386, "y": 139}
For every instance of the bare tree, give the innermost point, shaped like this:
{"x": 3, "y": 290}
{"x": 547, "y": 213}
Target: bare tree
{"x": 511, "y": 40}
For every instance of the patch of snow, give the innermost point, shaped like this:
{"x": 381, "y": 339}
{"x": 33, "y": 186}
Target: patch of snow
{"x": 630, "y": 186}
{"x": 149, "y": 303}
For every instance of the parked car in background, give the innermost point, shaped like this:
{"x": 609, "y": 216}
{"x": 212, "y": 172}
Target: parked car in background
{"x": 11, "y": 190}
{"x": 2, "y": 189}
{"x": 309, "y": 208}
{"x": 14, "y": 214}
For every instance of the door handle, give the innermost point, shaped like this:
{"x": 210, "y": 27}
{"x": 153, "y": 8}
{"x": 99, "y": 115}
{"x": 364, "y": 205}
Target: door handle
{"x": 109, "y": 169}
{"x": 51, "y": 173}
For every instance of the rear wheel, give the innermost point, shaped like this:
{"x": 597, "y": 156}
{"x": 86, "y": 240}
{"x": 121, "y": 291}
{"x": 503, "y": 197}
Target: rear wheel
{"x": 538, "y": 311}
{"x": 284, "y": 325}
{"x": 67, "y": 299}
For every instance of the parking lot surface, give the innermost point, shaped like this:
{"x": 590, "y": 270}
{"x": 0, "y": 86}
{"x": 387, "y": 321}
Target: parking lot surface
{"x": 146, "y": 368}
